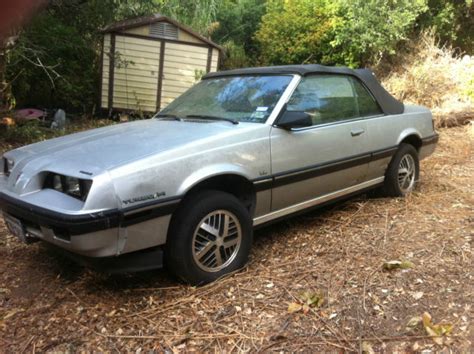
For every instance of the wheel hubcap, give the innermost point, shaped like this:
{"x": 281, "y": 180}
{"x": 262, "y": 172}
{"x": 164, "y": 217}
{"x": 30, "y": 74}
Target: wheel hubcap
{"x": 216, "y": 240}
{"x": 406, "y": 173}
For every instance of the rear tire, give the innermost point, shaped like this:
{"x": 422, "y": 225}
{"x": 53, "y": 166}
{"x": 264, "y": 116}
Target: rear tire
{"x": 210, "y": 236}
{"x": 402, "y": 173}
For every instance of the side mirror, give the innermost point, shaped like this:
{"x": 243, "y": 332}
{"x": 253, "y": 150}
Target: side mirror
{"x": 294, "y": 119}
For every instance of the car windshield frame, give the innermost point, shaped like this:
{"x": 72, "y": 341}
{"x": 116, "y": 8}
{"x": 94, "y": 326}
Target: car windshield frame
{"x": 261, "y": 114}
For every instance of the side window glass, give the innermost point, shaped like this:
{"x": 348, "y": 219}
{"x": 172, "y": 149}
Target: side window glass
{"x": 333, "y": 98}
{"x": 366, "y": 103}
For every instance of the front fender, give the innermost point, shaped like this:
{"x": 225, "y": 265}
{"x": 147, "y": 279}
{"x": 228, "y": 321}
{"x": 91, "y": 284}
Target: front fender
{"x": 208, "y": 172}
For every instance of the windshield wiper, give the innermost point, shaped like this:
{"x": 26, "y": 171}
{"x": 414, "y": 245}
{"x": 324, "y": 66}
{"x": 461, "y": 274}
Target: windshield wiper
{"x": 202, "y": 116}
{"x": 172, "y": 116}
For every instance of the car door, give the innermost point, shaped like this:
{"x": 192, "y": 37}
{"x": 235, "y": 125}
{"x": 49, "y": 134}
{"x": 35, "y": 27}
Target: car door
{"x": 332, "y": 154}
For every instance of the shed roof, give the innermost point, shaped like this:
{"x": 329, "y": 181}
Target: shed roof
{"x": 148, "y": 20}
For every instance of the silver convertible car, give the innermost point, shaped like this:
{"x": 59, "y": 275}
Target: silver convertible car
{"x": 240, "y": 149}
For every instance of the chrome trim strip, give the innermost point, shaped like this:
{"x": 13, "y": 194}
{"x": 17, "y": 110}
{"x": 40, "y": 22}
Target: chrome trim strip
{"x": 312, "y": 202}
{"x": 283, "y": 99}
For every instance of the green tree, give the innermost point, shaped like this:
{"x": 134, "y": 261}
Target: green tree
{"x": 347, "y": 32}
{"x": 296, "y": 31}
{"x": 372, "y": 29}
{"x": 238, "y": 21}
{"x": 453, "y": 22}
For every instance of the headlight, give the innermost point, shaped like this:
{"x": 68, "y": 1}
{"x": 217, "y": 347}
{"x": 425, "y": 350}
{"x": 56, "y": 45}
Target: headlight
{"x": 8, "y": 166}
{"x": 72, "y": 186}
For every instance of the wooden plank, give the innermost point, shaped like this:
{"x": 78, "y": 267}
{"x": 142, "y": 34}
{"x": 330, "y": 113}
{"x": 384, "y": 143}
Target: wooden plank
{"x": 133, "y": 102}
{"x": 101, "y": 73}
{"x": 202, "y": 49}
{"x": 137, "y": 55}
{"x": 185, "y": 61}
{"x": 184, "y": 52}
{"x": 202, "y": 45}
{"x": 111, "y": 71}
{"x": 145, "y": 75}
{"x": 141, "y": 107}
{"x": 148, "y": 42}
{"x": 170, "y": 71}
{"x": 159, "y": 87}
{"x": 146, "y": 45}
{"x": 131, "y": 92}
{"x": 136, "y": 80}
{"x": 209, "y": 59}
{"x": 137, "y": 63}
{"x": 139, "y": 71}
{"x": 185, "y": 67}
{"x": 189, "y": 79}
{"x": 136, "y": 84}
{"x": 197, "y": 58}
{"x": 176, "y": 85}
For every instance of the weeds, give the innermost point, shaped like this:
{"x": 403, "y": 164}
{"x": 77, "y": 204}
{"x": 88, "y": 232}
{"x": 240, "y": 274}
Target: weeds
{"x": 436, "y": 77}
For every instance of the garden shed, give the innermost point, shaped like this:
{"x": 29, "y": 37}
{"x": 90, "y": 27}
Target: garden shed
{"x": 149, "y": 61}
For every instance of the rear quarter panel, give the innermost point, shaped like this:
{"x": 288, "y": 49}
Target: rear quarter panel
{"x": 390, "y": 130}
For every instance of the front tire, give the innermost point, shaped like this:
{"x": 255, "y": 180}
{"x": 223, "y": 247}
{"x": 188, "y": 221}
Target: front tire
{"x": 210, "y": 236}
{"x": 402, "y": 173}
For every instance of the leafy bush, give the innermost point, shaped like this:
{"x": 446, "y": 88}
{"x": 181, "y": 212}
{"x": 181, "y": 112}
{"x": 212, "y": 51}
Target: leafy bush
{"x": 27, "y": 133}
{"x": 348, "y": 32}
{"x": 238, "y": 20}
{"x": 33, "y": 131}
{"x": 372, "y": 29}
{"x": 295, "y": 32}
{"x": 452, "y": 21}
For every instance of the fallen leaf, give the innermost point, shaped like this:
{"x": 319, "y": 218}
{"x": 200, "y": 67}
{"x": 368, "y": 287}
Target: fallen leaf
{"x": 294, "y": 307}
{"x": 413, "y": 323}
{"x": 312, "y": 299}
{"x": 407, "y": 265}
{"x": 417, "y": 295}
{"x": 390, "y": 265}
{"x": 367, "y": 348}
{"x": 12, "y": 313}
{"x": 436, "y": 331}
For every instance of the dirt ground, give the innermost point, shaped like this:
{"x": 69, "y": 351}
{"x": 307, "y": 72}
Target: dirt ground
{"x": 331, "y": 259}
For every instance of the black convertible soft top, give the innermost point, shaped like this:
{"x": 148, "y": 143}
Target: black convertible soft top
{"x": 388, "y": 103}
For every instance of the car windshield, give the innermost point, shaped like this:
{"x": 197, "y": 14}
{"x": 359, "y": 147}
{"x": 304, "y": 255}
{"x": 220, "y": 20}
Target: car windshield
{"x": 240, "y": 99}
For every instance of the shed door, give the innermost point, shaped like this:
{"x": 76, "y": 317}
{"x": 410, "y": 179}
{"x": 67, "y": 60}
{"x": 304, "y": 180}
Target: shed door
{"x": 136, "y": 71}
{"x": 183, "y": 66}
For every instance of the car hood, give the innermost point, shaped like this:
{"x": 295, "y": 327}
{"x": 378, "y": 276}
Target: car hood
{"x": 115, "y": 145}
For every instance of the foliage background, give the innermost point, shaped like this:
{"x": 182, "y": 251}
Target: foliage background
{"x": 54, "y": 60}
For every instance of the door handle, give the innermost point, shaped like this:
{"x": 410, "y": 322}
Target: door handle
{"x": 357, "y": 132}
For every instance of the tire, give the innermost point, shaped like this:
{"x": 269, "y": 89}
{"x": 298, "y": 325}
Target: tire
{"x": 197, "y": 251}
{"x": 402, "y": 173}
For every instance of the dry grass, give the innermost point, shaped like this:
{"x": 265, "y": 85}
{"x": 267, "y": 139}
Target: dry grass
{"x": 435, "y": 77}
{"x": 47, "y": 303}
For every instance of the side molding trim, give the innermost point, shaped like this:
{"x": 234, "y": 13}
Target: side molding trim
{"x": 316, "y": 201}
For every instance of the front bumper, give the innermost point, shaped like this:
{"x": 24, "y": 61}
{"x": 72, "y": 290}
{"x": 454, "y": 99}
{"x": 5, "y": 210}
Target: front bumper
{"x": 108, "y": 233}
{"x": 93, "y": 235}
{"x": 148, "y": 259}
